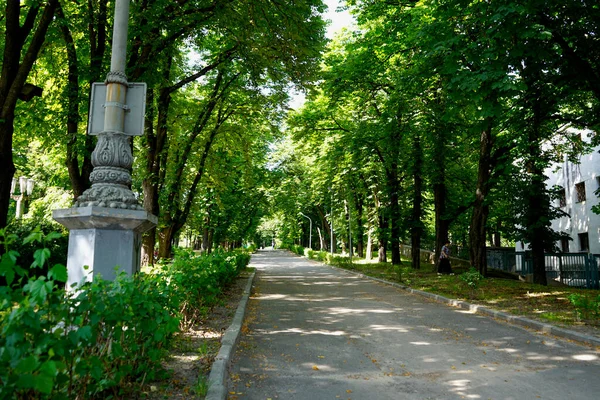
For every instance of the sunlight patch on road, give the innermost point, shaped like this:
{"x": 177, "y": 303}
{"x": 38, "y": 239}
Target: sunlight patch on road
{"x": 306, "y": 332}
{"x": 395, "y": 328}
{"x": 342, "y": 310}
{"x": 509, "y": 350}
{"x": 585, "y": 357}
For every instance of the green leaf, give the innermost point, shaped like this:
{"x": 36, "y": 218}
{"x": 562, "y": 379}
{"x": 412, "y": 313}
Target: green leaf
{"x": 35, "y": 236}
{"x": 40, "y": 257}
{"x": 52, "y": 236}
{"x": 26, "y": 365}
{"x": 58, "y": 272}
{"x": 26, "y": 381}
{"x": 49, "y": 368}
{"x": 7, "y": 269}
{"x": 38, "y": 289}
{"x": 44, "y": 383}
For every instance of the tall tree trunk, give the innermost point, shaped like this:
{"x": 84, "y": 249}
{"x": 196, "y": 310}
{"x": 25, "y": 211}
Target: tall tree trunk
{"x": 442, "y": 223}
{"x": 79, "y": 173}
{"x": 326, "y": 226}
{"x": 360, "y": 228}
{"x": 416, "y": 224}
{"x": 6, "y": 165}
{"x": 205, "y": 245}
{"x": 382, "y": 239}
{"x": 16, "y": 66}
{"x": 477, "y": 233}
{"x": 440, "y": 190}
{"x": 156, "y": 144}
{"x": 394, "y": 187}
{"x": 321, "y": 239}
{"x": 369, "y": 251}
{"x": 497, "y": 236}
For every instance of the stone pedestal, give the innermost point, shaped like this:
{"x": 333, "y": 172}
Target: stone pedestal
{"x": 103, "y": 238}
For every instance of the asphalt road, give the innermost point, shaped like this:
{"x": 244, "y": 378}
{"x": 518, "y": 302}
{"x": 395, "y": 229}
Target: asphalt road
{"x": 316, "y": 332}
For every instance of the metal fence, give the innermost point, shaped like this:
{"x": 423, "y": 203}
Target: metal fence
{"x": 573, "y": 269}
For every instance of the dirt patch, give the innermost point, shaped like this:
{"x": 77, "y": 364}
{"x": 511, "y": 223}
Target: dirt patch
{"x": 194, "y": 351}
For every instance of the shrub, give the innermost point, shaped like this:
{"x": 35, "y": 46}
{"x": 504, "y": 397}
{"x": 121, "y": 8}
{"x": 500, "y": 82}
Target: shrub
{"x": 107, "y": 338}
{"x": 471, "y": 278}
{"x": 587, "y": 307}
{"x": 58, "y": 245}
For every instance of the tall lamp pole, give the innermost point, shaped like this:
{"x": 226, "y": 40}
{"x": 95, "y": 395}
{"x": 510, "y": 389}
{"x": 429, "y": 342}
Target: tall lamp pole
{"x": 331, "y": 224}
{"x": 310, "y": 231}
{"x": 106, "y": 223}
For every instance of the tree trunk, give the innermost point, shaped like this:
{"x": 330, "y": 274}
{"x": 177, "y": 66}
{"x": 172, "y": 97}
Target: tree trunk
{"x": 205, "y": 235}
{"x": 79, "y": 175}
{"x": 326, "y": 227}
{"x": 416, "y": 225}
{"x": 394, "y": 186}
{"x": 7, "y": 166}
{"x": 497, "y": 236}
{"x": 537, "y": 230}
{"x": 369, "y": 251}
{"x": 360, "y": 228}
{"x": 321, "y": 239}
{"x": 382, "y": 238}
{"x": 477, "y": 233}
{"x": 16, "y": 66}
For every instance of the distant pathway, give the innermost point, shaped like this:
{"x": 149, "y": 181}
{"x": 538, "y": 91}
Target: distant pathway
{"x": 315, "y": 332}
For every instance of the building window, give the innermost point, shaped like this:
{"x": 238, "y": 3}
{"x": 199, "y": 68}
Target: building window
{"x": 598, "y": 181}
{"x": 584, "y": 242}
{"x": 564, "y": 245}
{"x": 562, "y": 198}
{"x": 580, "y": 191}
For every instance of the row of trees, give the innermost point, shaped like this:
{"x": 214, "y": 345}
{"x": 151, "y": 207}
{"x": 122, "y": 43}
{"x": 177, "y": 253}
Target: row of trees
{"x": 218, "y": 72}
{"x": 439, "y": 118}
{"x": 433, "y": 119}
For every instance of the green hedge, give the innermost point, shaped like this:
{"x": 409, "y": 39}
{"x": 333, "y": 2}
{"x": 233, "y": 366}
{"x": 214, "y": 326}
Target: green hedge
{"x": 106, "y": 339}
{"x": 326, "y": 257}
{"x": 294, "y": 248}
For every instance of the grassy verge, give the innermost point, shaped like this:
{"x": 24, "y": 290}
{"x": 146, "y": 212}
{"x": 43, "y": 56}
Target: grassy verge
{"x": 500, "y": 291}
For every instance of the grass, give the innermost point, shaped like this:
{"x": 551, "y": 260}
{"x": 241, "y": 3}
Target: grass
{"x": 201, "y": 386}
{"x": 499, "y": 291}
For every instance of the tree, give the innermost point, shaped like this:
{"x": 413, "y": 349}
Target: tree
{"x": 24, "y": 34}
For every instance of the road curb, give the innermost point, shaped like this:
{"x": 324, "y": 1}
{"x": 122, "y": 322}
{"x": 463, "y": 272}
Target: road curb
{"x": 512, "y": 319}
{"x": 217, "y": 385}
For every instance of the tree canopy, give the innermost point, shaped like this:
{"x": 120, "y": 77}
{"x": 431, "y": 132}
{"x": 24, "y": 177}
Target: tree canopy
{"x": 431, "y": 120}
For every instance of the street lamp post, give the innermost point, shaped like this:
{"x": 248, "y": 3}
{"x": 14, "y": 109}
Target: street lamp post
{"x": 310, "y": 231}
{"x": 331, "y": 226}
{"x": 106, "y": 223}
{"x": 26, "y": 189}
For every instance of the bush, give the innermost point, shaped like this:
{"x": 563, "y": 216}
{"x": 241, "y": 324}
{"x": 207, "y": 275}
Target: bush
{"x": 107, "y": 338}
{"x": 298, "y": 250}
{"x": 58, "y": 246}
{"x": 587, "y": 307}
{"x": 472, "y": 279}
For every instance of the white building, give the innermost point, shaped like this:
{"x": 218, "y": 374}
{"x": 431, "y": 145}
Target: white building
{"x": 579, "y": 183}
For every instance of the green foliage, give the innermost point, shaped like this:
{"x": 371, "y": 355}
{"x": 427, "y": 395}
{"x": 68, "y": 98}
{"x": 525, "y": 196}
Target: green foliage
{"x": 472, "y": 278}
{"x": 195, "y": 282}
{"x": 321, "y": 256}
{"x": 106, "y": 338}
{"x": 587, "y": 307}
{"x": 294, "y": 248}
{"x": 29, "y": 235}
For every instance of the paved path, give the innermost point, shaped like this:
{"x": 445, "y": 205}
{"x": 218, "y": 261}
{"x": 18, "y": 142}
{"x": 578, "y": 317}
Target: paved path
{"x": 316, "y": 332}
